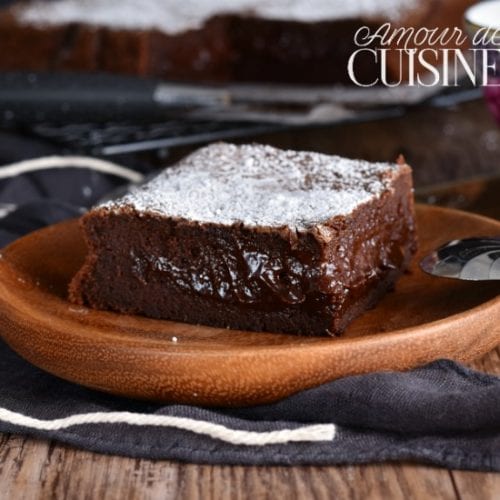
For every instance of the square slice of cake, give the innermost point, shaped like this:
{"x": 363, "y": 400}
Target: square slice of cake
{"x": 252, "y": 237}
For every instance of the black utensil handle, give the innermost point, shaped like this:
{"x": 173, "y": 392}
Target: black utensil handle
{"x": 68, "y": 97}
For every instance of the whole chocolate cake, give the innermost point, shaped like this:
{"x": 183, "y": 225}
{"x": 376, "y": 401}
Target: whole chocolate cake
{"x": 252, "y": 237}
{"x": 293, "y": 41}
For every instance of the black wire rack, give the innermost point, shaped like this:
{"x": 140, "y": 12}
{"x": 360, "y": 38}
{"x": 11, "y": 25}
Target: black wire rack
{"x": 115, "y": 138}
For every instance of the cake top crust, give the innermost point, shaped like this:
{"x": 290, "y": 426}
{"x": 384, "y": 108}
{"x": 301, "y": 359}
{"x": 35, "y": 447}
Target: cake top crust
{"x": 259, "y": 186}
{"x": 174, "y": 16}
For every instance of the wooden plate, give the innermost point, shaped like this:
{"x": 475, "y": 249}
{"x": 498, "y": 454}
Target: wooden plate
{"x": 424, "y": 319}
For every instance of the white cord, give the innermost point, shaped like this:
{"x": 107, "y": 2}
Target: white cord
{"x": 47, "y": 162}
{"x": 307, "y": 433}
{"x": 311, "y": 433}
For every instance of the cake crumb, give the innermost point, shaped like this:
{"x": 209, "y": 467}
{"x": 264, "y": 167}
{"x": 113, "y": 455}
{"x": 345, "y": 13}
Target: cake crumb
{"x": 78, "y": 310}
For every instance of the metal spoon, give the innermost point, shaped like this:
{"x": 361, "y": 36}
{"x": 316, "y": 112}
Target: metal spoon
{"x": 475, "y": 259}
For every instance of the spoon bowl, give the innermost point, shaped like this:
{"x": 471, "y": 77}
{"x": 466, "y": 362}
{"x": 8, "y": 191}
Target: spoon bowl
{"x": 472, "y": 259}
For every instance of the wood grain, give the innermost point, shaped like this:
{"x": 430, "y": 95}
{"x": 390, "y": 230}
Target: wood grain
{"x": 40, "y": 469}
{"x": 31, "y": 469}
{"x": 477, "y": 485}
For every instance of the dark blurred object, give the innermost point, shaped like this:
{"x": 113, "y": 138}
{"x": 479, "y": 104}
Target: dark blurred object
{"x": 483, "y": 19}
{"x": 16, "y": 145}
{"x": 34, "y": 215}
{"x": 62, "y": 97}
{"x": 33, "y": 199}
{"x": 441, "y": 144}
{"x": 114, "y": 138}
{"x": 73, "y": 97}
{"x": 28, "y": 100}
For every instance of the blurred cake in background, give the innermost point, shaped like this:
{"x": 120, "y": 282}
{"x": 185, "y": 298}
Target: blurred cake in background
{"x": 292, "y": 41}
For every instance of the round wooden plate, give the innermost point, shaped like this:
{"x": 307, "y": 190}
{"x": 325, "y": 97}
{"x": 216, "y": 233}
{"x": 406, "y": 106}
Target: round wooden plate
{"x": 425, "y": 319}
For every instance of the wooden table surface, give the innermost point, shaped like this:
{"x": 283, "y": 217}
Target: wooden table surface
{"x": 442, "y": 145}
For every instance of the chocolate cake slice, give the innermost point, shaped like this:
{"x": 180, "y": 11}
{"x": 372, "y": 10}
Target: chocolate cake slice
{"x": 291, "y": 41}
{"x": 252, "y": 237}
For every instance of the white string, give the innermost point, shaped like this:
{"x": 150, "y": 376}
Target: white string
{"x": 307, "y": 433}
{"x": 46, "y": 162}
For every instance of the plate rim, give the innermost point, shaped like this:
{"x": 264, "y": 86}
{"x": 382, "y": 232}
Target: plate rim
{"x": 163, "y": 348}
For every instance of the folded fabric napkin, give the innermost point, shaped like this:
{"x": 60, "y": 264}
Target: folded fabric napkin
{"x": 443, "y": 413}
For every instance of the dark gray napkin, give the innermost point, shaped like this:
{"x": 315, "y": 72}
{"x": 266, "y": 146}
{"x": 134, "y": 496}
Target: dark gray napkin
{"x": 442, "y": 414}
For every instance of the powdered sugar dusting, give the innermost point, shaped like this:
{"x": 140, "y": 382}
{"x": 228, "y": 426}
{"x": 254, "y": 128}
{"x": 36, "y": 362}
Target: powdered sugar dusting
{"x": 174, "y": 16}
{"x": 260, "y": 186}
